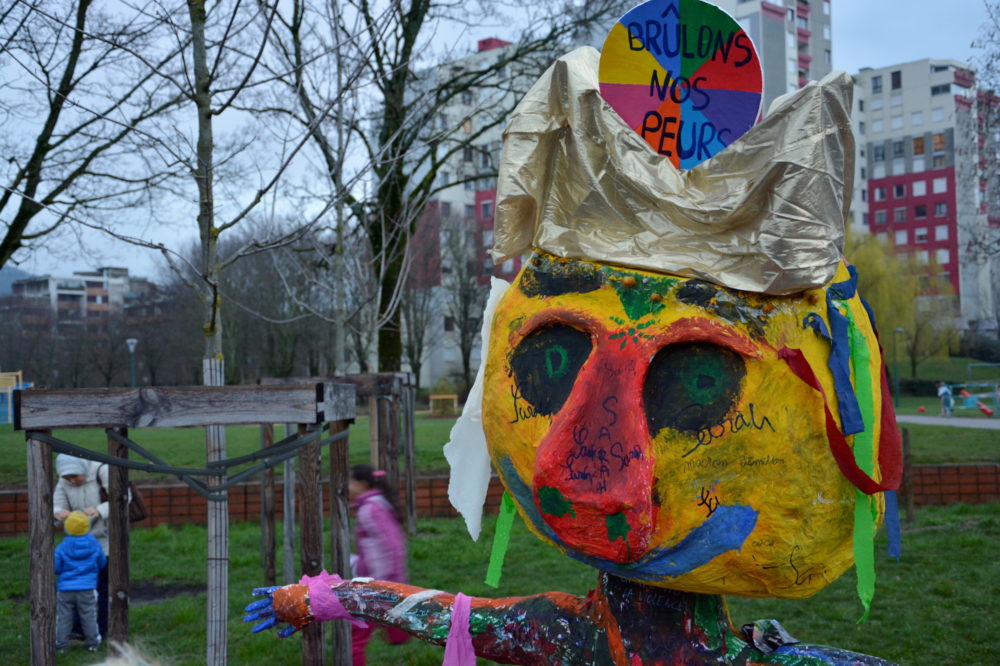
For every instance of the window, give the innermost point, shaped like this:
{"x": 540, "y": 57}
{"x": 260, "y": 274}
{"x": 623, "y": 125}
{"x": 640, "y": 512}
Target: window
{"x": 898, "y": 166}
{"x": 918, "y": 145}
{"x": 861, "y": 105}
{"x": 470, "y": 212}
{"x": 864, "y": 194}
{"x": 445, "y": 209}
{"x": 920, "y": 235}
{"x": 507, "y": 266}
{"x": 901, "y": 237}
{"x": 827, "y": 58}
{"x": 896, "y": 122}
{"x": 449, "y": 323}
{"x": 922, "y": 256}
{"x": 802, "y": 22}
{"x": 826, "y": 7}
{"x": 791, "y": 15}
{"x": 941, "y": 232}
{"x": 487, "y": 209}
{"x": 488, "y": 238}
{"x": 899, "y": 191}
{"x": 897, "y": 148}
{"x": 899, "y": 215}
{"x": 861, "y": 127}
{"x": 877, "y": 125}
{"x": 920, "y": 211}
{"x": 484, "y": 157}
{"x": 942, "y": 89}
{"x": 879, "y": 194}
{"x": 882, "y": 237}
{"x": 896, "y": 99}
{"x": 876, "y": 84}
{"x": 938, "y": 162}
{"x": 940, "y": 185}
{"x": 878, "y": 153}
{"x": 918, "y": 164}
{"x": 469, "y": 186}
{"x": 878, "y": 171}
{"x": 939, "y": 142}
{"x": 442, "y": 121}
{"x": 880, "y": 217}
{"x": 467, "y": 155}
{"x": 877, "y": 104}
{"x": 941, "y": 209}
{"x": 466, "y": 97}
{"x": 826, "y": 32}
{"x": 864, "y": 173}
{"x": 943, "y": 256}
{"x": 896, "y": 79}
{"x": 919, "y": 188}
{"x": 444, "y": 177}
{"x": 917, "y": 118}
{"x": 939, "y": 68}
{"x": 937, "y": 115}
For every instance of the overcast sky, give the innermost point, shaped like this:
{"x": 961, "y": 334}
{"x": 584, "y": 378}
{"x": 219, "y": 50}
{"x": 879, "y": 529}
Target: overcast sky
{"x": 866, "y": 33}
{"x": 878, "y": 33}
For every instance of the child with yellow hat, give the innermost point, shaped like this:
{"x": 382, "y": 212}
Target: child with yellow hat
{"x": 78, "y": 560}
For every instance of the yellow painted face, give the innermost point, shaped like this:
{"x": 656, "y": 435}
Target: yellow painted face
{"x": 648, "y": 425}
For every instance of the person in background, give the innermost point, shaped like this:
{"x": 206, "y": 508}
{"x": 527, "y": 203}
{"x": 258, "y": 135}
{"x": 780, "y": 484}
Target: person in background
{"x": 78, "y": 559}
{"x": 380, "y": 542}
{"x": 947, "y": 400}
{"x": 79, "y": 489}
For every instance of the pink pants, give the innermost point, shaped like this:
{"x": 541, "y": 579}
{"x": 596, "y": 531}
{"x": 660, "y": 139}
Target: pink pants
{"x": 360, "y": 638}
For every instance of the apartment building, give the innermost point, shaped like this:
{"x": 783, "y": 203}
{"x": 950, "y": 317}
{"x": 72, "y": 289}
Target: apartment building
{"x": 83, "y": 296}
{"x": 793, "y": 39}
{"x": 919, "y": 185}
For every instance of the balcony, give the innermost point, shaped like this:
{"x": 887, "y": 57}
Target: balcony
{"x": 964, "y": 78}
{"x": 804, "y": 61}
{"x": 803, "y": 35}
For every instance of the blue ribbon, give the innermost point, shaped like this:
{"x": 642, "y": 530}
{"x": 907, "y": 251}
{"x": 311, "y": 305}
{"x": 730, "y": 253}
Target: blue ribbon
{"x": 851, "y": 422}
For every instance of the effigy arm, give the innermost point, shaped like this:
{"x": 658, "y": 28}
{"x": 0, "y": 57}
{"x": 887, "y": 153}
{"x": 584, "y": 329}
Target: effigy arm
{"x": 552, "y": 626}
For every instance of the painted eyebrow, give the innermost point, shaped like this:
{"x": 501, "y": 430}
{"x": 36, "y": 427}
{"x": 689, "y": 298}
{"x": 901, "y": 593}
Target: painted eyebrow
{"x": 545, "y": 277}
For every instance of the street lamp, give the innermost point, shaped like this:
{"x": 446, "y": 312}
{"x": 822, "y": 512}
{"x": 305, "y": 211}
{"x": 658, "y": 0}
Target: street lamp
{"x": 895, "y": 366}
{"x": 132, "y": 342}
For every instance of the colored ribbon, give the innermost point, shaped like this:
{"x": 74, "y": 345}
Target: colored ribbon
{"x": 323, "y": 601}
{"x": 840, "y": 350}
{"x": 501, "y": 539}
{"x": 458, "y": 650}
{"x": 892, "y": 524}
{"x": 865, "y": 512}
{"x": 889, "y": 455}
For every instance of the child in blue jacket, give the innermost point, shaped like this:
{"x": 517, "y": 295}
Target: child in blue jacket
{"x": 79, "y": 558}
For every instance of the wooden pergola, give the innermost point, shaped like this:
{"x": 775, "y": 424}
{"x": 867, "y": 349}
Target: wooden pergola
{"x": 316, "y": 408}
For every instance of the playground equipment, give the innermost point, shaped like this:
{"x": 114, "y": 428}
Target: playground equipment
{"x": 981, "y": 393}
{"x": 10, "y": 382}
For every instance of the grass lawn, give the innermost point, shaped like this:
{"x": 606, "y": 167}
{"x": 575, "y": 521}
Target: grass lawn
{"x": 936, "y": 606}
{"x": 952, "y": 369}
{"x": 185, "y": 447}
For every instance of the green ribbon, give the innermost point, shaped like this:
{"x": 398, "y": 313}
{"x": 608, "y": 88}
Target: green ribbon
{"x": 865, "y": 509}
{"x": 501, "y": 539}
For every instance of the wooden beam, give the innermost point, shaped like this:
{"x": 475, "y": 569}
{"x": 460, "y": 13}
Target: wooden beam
{"x": 340, "y": 534}
{"x": 267, "y": 531}
{"x": 169, "y": 407}
{"x": 410, "y": 457}
{"x": 311, "y": 502}
{"x": 339, "y": 402}
{"x": 42, "y": 626}
{"x": 118, "y": 544}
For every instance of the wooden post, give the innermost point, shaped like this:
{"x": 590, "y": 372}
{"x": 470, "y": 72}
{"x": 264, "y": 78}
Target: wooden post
{"x": 906, "y": 487}
{"x": 42, "y": 626}
{"x": 392, "y": 434}
{"x": 410, "y": 451}
{"x": 288, "y": 524}
{"x": 267, "y": 534}
{"x": 311, "y": 515}
{"x": 374, "y": 429}
{"x": 118, "y": 543}
{"x": 218, "y": 535}
{"x": 340, "y": 534}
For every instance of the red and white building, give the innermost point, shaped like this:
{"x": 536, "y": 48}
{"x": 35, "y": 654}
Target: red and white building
{"x": 919, "y": 181}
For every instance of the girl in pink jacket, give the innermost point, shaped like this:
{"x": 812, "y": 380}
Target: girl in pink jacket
{"x": 380, "y": 542}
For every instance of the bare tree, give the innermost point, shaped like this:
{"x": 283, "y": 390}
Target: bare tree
{"x": 402, "y": 133}
{"x": 420, "y": 315}
{"x": 465, "y": 290}
{"x": 78, "y": 88}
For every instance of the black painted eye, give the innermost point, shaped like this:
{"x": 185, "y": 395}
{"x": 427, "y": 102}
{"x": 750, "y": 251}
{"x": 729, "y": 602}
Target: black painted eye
{"x": 692, "y": 386}
{"x": 546, "y": 363}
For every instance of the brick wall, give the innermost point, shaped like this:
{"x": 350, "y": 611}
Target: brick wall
{"x": 177, "y": 503}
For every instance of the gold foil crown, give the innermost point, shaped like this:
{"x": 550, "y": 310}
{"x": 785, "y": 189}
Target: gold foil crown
{"x": 765, "y": 215}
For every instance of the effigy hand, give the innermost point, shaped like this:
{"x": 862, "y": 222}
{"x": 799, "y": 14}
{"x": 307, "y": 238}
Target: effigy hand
{"x": 282, "y": 604}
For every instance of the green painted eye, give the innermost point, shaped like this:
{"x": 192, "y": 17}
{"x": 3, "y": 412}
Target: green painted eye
{"x": 545, "y": 365}
{"x": 691, "y": 386}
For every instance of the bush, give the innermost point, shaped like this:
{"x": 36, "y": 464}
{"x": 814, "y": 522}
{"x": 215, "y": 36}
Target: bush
{"x": 980, "y": 347}
{"x": 919, "y": 387}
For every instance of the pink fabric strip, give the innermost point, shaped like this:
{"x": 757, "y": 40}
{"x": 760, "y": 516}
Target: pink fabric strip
{"x": 323, "y": 600}
{"x": 458, "y": 650}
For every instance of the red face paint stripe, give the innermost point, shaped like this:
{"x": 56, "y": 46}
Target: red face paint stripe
{"x": 889, "y": 456}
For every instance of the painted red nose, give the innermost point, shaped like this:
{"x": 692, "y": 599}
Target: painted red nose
{"x": 593, "y": 470}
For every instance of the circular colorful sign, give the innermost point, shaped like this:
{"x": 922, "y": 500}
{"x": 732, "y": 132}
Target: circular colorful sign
{"x": 684, "y": 75}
